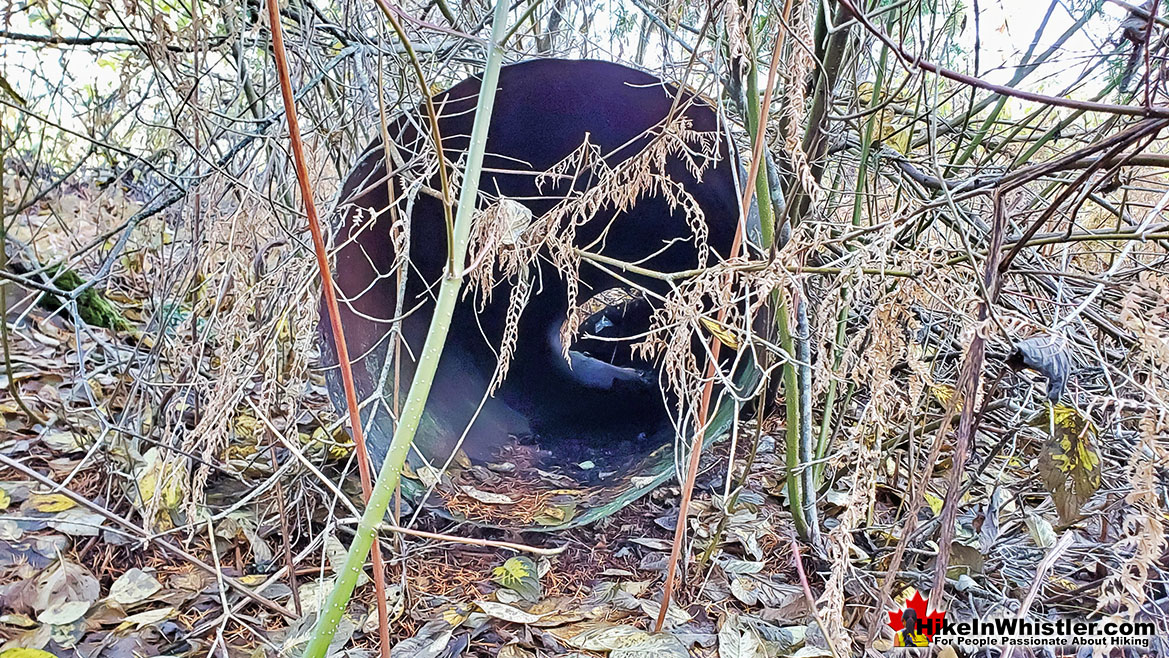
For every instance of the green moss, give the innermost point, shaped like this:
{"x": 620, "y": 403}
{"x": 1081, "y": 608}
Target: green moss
{"x": 92, "y": 306}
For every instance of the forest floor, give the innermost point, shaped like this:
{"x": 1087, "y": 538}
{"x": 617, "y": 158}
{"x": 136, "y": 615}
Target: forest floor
{"x": 82, "y": 576}
{"x": 151, "y": 508}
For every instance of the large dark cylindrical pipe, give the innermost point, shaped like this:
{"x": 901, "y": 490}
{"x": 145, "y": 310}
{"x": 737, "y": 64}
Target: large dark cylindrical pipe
{"x": 544, "y": 111}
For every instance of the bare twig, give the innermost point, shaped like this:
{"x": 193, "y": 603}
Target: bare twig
{"x": 911, "y": 60}
{"x": 140, "y": 532}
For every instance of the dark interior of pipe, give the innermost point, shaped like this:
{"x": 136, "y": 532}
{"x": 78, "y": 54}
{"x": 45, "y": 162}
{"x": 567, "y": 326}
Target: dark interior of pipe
{"x": 603, "y": 402}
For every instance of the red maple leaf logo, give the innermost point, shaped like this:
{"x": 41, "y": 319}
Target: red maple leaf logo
{"x": 928, "y": 623}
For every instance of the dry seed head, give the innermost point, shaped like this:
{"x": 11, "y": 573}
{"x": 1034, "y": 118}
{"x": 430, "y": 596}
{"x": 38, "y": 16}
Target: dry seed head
{"x": 800, "y": 66}
{"x": 505, "y": 253}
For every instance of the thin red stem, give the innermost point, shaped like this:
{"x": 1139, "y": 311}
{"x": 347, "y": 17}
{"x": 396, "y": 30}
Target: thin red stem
{"x": 761, "y": 128}
{"x": 314, "y": 225}
{"x": 715, "y": 349}
{"x": 808, "y": 595}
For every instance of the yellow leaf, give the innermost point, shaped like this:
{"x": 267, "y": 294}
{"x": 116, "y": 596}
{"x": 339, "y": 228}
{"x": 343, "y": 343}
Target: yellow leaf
{"x": 721, "y": 332}
{"x": 512, "y": 571}
{"x": 899, "y": 141}
{"x": 407, "y": 469}
{"x": 158, "y": 478}
{"x": 240, "y": 451}
{"x": 1071, "y": 419}
{"x": 283, "y": 330}
{"x": 340, "y": 449}
{"x": 25, "y": 653}
{"x": 5, "y": 500}
{"x": 555, "y": 514}
{"x": 462, "y": 460}
{"x": 147, "y": 340}
{"x": 51, "y": 502}
{"x": 454, "y": 617}
{"x": 336, "y": 447}
{"x": 943, "y": 393}
{"x": 520, "y": 575}
{"x": 935, "y": 502}
{"x": 246, "y": 427}
{"x": 1069, "y": 464}
{"x": 886, "y": 130}
{"x": 884, "y": 124}
{"x": 253, "y": 579}
{"x": 864, "y": 92}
